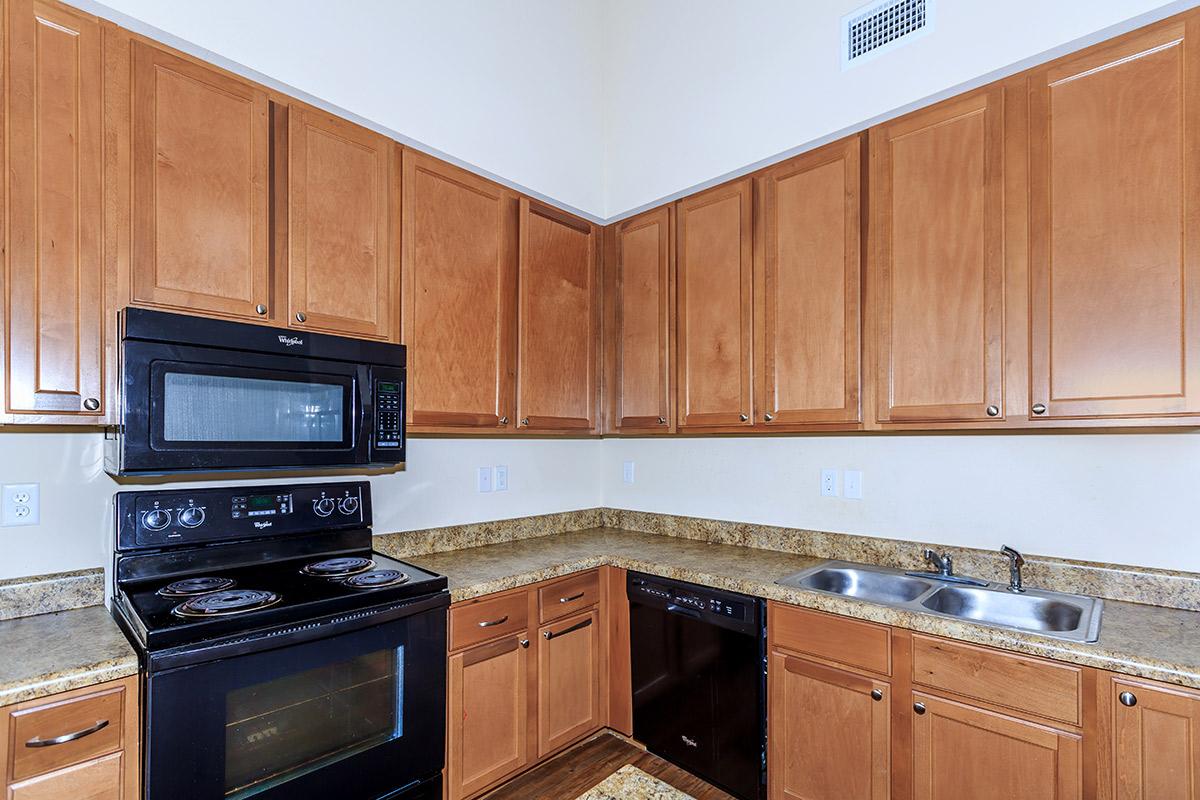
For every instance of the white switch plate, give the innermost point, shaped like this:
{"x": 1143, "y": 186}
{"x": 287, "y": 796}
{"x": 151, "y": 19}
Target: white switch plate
{"x": 852, "y": 483}
{"x": 485, "y": 479}
{"x": 627, "y": 472}
{"x": 829, "y": 483}
{"x": 501, "y": 482}
{"x": 21, "y": 504}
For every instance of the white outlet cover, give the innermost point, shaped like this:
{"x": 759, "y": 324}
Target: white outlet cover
{"x": 485, "y": 479}
{"x": 500, "y": 484}
{"x": 627, "y": 472}
{"x": 852, "y": 484}
{"x": 20, "y": 504}
{"x": 829, "y": 483}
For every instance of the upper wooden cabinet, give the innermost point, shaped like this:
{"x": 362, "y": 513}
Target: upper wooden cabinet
{"x": 459, "y": 293}
{"x": 715, "y": 327}
{"x": 640, "y": 282}
{"x": 559, "y": 314}
{"x": 53, "y": 258}
{"x": 807, "y": 288}
{"x": 1150, "y": 741}
{"x": 937, "y": 221}
{"x": 1115, "y": 238}
{"x": 340, "y": 270}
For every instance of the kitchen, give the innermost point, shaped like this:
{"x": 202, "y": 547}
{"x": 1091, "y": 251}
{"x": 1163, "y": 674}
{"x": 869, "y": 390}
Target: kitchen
{"x": 649, "y": 422}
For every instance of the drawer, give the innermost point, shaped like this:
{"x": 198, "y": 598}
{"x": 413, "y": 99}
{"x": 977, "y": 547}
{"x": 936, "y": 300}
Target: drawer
{"x": 1044, "y": 688}
{"x": 846, "y": 641}
{"x": 54, "y": 735}
{"x": 488, "y": 618}
{"x": 569, "y": 595}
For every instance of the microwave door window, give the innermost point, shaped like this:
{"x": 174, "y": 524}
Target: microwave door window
{"x": 201, "y": 408}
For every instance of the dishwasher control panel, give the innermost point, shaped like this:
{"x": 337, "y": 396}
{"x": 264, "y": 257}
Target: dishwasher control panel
{"x": 715, "y": 602}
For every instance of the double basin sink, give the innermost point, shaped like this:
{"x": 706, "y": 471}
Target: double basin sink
{"x": 1054, "y": 614}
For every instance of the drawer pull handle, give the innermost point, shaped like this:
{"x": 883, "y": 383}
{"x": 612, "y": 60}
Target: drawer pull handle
{"x": 494, "y": 622}
{"x": 67, "y": 737}
{"x": 548, "y": 635}
{"x": 570, "y": 599}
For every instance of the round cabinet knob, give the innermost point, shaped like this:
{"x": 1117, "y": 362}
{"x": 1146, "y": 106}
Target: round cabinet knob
{"x": 349, "y": 505}
{"x": 524, "y": 420}
{"x": 525, "y": 643}
{"x": 919, "y": 708}
{"x": 768, "y": 417}
{"x": 1039, "y": 408}
{"x": 662, "y": 420}
{"x": 876, "y": 694}
{"x": 323, "y": 507}
{"x": 1127, "y": 699}
{"x": 157, "y": 519}
{"x": 191, "y": 517}
{"x": 91, "y": 404}
{"x": 260, "y": 309}
{"x": 300, "y": 316}
{"x": 504, "y": 420}
{"x": 993, "y": 411}
{"x": 743, "y": 417}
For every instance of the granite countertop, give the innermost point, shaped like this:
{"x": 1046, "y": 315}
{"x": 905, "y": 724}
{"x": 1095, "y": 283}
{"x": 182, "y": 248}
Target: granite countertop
{"x": 1148, "y": 641}
{"x": 49, "y": 653}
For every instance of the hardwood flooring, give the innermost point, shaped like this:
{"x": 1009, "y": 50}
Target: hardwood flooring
{"x": 572, "y": 773}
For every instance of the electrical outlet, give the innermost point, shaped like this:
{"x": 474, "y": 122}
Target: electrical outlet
{"x": 627, "y": 472}
{"x": 501, "y": 482}
{"x": 829, "y": 483}
{"x": 852, "y": 483}
{"x": 20, "y": 503}
{"x": 485, "y": 479}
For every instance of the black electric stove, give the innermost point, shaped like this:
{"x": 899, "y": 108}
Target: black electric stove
{"x": 275, "y": 640}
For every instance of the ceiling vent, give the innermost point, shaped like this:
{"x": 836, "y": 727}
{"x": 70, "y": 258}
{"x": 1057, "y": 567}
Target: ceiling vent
{"x": 881, "y": 26}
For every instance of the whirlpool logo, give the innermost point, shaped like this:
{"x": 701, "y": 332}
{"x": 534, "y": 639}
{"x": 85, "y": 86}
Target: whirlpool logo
{"x": 290, "y": 341}
{"x": 261, "y": 525}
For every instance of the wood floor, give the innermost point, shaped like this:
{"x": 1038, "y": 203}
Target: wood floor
{"x": 583, "y": 766}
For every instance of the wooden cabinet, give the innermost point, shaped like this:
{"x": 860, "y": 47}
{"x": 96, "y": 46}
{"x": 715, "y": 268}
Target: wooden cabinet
{"x": 568, "y": 681}
{"x": 341, "y": 275}
{"x": 459, "y": 294}
{"x": 1115, "y": 242}
{"x": 807, "y": 288}
{"x": 937, "y": 219}
{"x": 640, "y": 282}
{"x": 53, "y": 261}
{"x": 715, "y": 327}
{"x": 101, "y": 779}
{"x": 559, "y": 316}
{"x": 1150, "y": 740}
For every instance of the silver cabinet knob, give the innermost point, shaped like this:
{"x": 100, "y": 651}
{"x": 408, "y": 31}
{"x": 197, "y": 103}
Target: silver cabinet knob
{"x": 876, "y": 694}
{"x": 768, "y": 417}
{"x": 525, "y": 643}
{"x": 91, "y": 404}
{"x": 524, "y": 420}
{"x": 1127, "y": 699}
{"x": 260, "y": 309}
{"x": 743, "y": 417}
{"x": 662, "y": 420}
{"x": 919, "y": 708}
{"x": 993, "y": 411}
{"x": 504, "y": 420}
{"x": 1039, "y": 408}
{"x": 300, "y": 316}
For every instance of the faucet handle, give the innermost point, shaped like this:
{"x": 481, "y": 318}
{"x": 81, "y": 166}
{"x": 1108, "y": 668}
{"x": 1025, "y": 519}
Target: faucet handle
{"x": 1013, "y": 554}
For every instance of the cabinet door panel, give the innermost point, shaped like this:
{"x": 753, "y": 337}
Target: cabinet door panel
{"x": 54, "y": 322}
{"x": 101, "y": 779}
{"x": 1115, "y": 149}
{"x": 714, "y": 259}
{"x": 559, "y": 314}
{"x": 938, "y": 208}
{"x": 643, "y": 295}
{"x": 1155, "y": 744}
{"x": 962, "y": 751}
{"x": 568, "y": 681}
{"x": 809, "y": 288}
{"x": 460, "y": 247}
{"x": 200, "y": 152}
{"x": 340, "y": 264}
{"x": 829, "y": 737}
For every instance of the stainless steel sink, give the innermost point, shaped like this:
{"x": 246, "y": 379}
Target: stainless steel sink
{"x": 1054, "y": 614}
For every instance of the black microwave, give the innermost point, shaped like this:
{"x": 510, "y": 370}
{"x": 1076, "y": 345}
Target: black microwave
{"x": 203, "y": 395}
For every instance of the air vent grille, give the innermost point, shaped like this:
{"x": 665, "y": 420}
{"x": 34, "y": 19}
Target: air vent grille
{"x": 882, "y": 26}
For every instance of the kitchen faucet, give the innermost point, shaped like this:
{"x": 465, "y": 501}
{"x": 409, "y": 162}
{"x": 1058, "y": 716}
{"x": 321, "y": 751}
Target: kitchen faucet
{"x": 1015, "y": 562}
{"x": 942, "y": 563}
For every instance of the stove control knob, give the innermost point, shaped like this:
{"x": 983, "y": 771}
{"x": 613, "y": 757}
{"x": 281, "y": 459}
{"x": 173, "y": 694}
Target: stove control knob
{"x": 349, "y": 505}
{"x": 157, "y": 519}
{"x": 324, "y": 507}
{"x": 191, "y": 517}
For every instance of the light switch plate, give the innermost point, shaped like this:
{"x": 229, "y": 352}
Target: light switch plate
{"x": 852, "y": 484}
{"x": 500, "y": 484}
{"x": 21, "y": 504}
{"x": 485, "y": 479}
{"x": 627, "y": 472}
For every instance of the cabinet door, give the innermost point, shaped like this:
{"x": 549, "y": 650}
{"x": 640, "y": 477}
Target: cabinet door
{"x": 714, "y": 259}
{"x": 200, "y": 164}
{"x": 963, "y": 751}
{"x": 460, "y": 294}
{"x": 807, "y": 289}
{"x": 1115, "y": 240}
{"x": 340, "y": 276}
{"x": 830, "y": 733}
{"x": 568, "y": 681}
{"x": 937, "y": 207}
{"x": 642, "y": 284}
{"x": 559, "y": 316}
{"x": 102, "y": 779}
{"x": 1155, "y": 742}
{"x": 488, "y": 724}
{"x": 54, "y": 311}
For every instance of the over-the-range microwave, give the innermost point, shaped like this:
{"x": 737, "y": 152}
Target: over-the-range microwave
{"x": 205, "y": 395}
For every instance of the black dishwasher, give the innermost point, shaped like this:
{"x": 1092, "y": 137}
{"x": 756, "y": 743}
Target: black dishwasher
{"x": 699, "y": 680}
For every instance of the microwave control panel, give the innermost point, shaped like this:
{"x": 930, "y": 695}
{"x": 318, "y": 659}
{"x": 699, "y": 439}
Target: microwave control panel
{"x": 389, "y": 410}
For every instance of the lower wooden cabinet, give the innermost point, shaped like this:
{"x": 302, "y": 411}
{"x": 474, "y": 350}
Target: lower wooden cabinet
{"x": 101, "y": 779}
{"x": 568, "y": 681}
{"x": 1150, "y": 740}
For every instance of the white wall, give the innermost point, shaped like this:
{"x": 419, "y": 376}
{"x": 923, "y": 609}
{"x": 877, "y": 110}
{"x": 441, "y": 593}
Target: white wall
{"x": 1113, "y": 497}
{"x": 438, "y": 488}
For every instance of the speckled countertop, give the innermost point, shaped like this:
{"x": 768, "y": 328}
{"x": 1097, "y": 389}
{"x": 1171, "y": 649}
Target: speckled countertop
{"x": 1148, "y": 641}
{"x": 50, "y": 653}
{"x": 630, "y": 783}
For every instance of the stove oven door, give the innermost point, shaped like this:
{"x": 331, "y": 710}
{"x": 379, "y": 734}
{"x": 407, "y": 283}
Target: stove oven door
{"x": 358, "y": 715}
